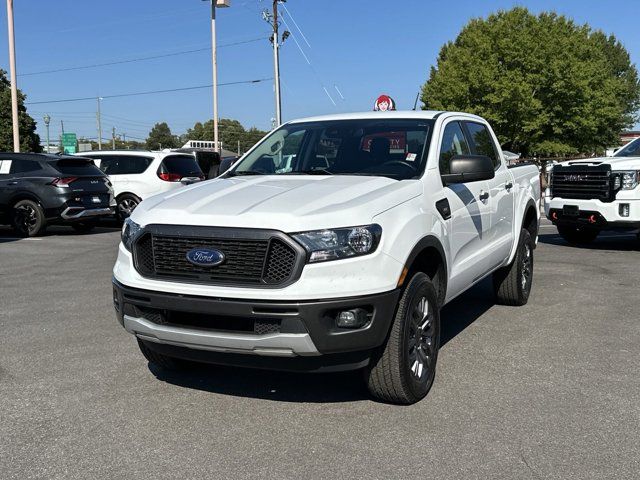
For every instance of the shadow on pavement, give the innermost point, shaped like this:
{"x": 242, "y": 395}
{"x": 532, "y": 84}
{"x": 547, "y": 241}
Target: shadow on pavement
{"x": 317, "y": 387}
{"x": 106, "y": 226}
{"x": 608, "y": 240}
{"x": 270, "y": 385}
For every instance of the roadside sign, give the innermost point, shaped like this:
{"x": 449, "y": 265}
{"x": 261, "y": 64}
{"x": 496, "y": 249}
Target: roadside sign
{"x": 69, "y": 142}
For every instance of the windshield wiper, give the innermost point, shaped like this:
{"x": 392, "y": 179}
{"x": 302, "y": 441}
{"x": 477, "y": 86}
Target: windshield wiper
{"x": 245, "y": 172}
{"x": 316, "y": 171}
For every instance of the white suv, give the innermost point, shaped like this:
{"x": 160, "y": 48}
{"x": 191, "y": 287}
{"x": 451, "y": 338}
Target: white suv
{"x": 136, "y": 175}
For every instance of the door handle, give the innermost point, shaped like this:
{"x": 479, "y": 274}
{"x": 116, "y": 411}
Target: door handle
{"x": 484, "y": 196}
{"x": 12, "y": 183}
{"x": 508, "y": 186}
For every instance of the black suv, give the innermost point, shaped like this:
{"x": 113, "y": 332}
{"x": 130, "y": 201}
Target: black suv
{"x": 39, "y": 189}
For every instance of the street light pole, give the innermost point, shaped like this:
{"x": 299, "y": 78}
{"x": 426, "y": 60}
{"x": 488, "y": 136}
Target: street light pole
{"x": 14, "y": 84}
{"x": 47, "y": 120}
{"x": 276, "y": 64}
{"x": 214, "y": 66}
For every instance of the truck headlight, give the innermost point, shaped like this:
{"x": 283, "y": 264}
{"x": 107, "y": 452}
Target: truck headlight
{"x": 334, "y": 244}
{"x": 628, "y": 179}
{"x": 130, "y": 231}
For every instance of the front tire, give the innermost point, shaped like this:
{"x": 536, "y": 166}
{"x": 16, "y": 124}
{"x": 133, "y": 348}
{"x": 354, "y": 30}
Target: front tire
{"x": 512, "y": 284}
{"x": 578, "y": 235}
{"x": 403, "y": 370}
{"x": 28, "y": 219}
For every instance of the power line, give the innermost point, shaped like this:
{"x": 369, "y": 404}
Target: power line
{"x": 133, "y": 60}
{"x": 150, "y": 92}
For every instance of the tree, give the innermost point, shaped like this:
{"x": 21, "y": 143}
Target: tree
{"x": 547, "y": 85}
{"x": 230, "y": 132}
{"x": 29, "y": 140}
{"x": 160, "y": 137}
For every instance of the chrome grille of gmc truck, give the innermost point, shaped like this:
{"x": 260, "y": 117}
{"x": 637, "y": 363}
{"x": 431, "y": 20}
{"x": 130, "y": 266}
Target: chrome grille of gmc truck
{"x": 583, "y": 182}
{"x": 250, "y": 257}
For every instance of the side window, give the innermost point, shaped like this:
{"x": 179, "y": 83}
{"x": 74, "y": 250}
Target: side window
{"x": 5, "y": 166}
{"x": 24, "y": 166}
{"x": 453, "y": 143}
{"x": 482, "y": 143}
{"x": 133, "y": 164}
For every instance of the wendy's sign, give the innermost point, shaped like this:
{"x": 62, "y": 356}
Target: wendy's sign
{"x": 384, "y": 103}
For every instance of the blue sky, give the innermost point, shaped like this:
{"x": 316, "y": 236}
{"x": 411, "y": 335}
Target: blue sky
{"x": 362, "y": 47}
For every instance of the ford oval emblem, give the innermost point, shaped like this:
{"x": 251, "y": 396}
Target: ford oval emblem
{"x": 205, "y": 257}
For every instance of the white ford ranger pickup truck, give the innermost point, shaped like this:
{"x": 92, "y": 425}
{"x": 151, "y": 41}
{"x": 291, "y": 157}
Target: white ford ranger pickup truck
{"x": 584, "y": 197}
{"x": 331, "y": 245}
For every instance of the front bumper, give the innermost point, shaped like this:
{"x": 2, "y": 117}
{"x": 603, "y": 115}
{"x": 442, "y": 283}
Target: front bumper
{"x": 275, "y": 334}
{"x": 594, "y": 213}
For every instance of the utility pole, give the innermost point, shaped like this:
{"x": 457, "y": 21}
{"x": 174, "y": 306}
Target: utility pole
{"x": 272, "y": 19}
{"x": 47, "y": 120}
{"x": 214, "y": 66}
{"x": 60, "y": 146}
{"x": 124, "y": 140}
{"x": 14, "y": 84}
{"x": 238, "y": 147}
{"x": 113, "y": 138}
{"x": 99, "y": 119}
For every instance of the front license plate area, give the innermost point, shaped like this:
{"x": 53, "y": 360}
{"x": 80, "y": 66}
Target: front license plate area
{"x": 570, "y": 210}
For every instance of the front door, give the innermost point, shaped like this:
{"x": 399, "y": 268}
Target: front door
{"x": 470, "y": 220}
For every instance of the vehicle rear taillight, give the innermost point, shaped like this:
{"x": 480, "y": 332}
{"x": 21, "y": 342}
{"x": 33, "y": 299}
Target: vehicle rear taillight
{"x": 170, "y": 177}
{"x": 63, "y": 182}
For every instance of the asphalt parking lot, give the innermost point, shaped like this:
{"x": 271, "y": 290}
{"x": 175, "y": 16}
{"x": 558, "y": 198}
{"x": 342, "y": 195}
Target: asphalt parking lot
{"x": 550, "y": 390}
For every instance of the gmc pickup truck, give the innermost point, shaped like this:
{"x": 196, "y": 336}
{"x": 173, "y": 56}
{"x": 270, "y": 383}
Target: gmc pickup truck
{"x": 331, "y": 245}
{"x": 584, "y": 197}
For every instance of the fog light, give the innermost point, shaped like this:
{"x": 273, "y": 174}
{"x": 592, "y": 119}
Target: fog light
{"x": 354, "y": 318}
{"x": 624, "y": 209}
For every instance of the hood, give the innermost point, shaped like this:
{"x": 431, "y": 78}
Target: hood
{"x": 617, "y": 163}
{"x": 287, "y": 203}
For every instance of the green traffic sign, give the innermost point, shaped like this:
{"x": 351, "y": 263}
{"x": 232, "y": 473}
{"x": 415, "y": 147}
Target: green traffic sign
{"x": 69, "y": 142}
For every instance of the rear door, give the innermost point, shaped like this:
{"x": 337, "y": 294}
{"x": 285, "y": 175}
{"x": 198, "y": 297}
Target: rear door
{"x": 500, "y": 238}
{"x": 470, "y": 215}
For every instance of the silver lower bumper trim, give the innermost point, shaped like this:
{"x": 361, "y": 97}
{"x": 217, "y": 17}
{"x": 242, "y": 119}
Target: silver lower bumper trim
{"x": 276, "y": 344}
{"x": 91, "y": 212}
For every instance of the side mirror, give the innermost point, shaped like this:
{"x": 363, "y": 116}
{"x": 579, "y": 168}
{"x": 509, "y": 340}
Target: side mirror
{"x": 469, "y": 168}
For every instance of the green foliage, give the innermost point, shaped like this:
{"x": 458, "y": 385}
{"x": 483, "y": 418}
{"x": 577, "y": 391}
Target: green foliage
{"x": 161, "y": 137}
{"x": 229, "y": 131}
{"x": 29, "y": 140}
{"x": 547, "y": 85}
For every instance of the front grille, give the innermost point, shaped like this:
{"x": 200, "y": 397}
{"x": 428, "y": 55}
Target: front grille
{"x": 208, "y": 321}
{"x": 260, "y": 260}
{"x": 582, "y": 182}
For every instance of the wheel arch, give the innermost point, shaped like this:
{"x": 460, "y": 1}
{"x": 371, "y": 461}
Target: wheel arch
{"x": 428, "y": 256}
{"x": 530, "y": 219}
{"x": 24, "y": 195}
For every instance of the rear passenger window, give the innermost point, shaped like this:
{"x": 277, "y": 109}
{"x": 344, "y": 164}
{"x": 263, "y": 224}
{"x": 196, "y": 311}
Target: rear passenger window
{"x": 24, "y": 166}
{"x": 123, "y": 164}
{"x": 482, "y": 143}
{"x": 453, "y": 143}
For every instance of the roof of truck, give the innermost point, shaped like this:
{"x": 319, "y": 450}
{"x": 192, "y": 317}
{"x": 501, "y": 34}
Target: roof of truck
{"x": 399, "y": 114}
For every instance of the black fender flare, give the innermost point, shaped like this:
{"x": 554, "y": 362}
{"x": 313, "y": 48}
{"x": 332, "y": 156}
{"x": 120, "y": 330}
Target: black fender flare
{"x": 430, "y": 241}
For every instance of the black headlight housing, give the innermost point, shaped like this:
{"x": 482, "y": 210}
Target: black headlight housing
{"x": 130, "y": 231}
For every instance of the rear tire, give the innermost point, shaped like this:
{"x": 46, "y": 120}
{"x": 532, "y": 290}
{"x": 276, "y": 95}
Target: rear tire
{"x": 578, "y": 235}
{"x": 403, "y": 370}
{"x": 163, "y": 361}
{"x": 28, "y": 219}
{"x": 126, "y": 204}
{"x": 512, "y": 284}
{"x": 84, "y": 227}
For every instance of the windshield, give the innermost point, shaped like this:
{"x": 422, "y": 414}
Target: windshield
{"x": 630, "y": 150}
{"x": 389, "y": 148}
